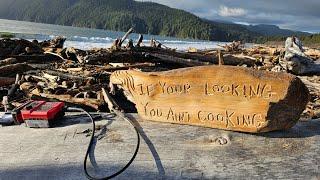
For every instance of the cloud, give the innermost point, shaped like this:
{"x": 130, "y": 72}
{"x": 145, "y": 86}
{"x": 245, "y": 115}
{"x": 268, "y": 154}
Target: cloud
{"x": 231, "y": 12}
{"x": 292, "y": 14}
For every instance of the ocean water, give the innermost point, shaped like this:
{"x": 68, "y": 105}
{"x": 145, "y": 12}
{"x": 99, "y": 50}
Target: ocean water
{"x": 85, "y": 38}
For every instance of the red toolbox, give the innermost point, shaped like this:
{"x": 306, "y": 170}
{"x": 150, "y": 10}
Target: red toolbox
{"x": 41, "y": 114}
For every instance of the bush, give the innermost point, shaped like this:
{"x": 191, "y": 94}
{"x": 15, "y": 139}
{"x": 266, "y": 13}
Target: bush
{"x": 6, "y": 35}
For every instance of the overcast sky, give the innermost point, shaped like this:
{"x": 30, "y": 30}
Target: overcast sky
{"x": 302, "y": 15}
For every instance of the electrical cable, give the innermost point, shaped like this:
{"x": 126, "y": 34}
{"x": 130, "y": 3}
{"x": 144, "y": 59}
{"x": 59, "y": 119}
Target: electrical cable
{"x": 91, "y": 142}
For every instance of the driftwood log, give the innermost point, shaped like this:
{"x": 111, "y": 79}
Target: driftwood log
{"x": 6, "y": 81}
{"x": 224, "y": 97}
{"x": 56, "y": 42}
{"x": 157, "y": 55}
{"x": 8, "y": 61}
{"x": 296, "y": 61}
{"x": 13, "y": 69}
{"x": 68, "y": 76}
{"x": 302, "y": 66}
{"x": 177, "y": 60}
{"x": 140, "y": 40}
{"x": 93, "y": 103}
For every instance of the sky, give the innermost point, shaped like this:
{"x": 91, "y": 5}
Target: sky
{"x": 302, "y": 15}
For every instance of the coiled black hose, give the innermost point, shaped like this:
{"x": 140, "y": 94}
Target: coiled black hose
{"x": 91, "y": 142}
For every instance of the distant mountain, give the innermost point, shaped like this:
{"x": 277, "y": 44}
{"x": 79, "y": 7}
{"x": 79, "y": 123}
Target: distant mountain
{"x": 120, "y": 15}
{"x": 273, "y": 30}
{"x": 234, "y": 31}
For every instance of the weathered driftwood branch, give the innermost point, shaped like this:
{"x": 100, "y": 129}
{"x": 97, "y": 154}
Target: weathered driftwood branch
{"x": 177, "y": 60}
{"x": 313, "y": 87}
{"x": 125, "y": 67}
{"x": 312, "y": 69}
{"x": 117, "y": 57}
{"x": 112, "y": 106}
{"x": 40, "y": 66}
{"x": 65, "y": 75}
{"x": 57, "y": 42}
{"x": 13, "y": 69}
{"x": 236, "y": 60}
{"x": 184, "y": 55}
{"x": 308, "y": 68}
{"x": 300, "y": 65}
{"x": 6, "y": 81}
{"x": 55, "y": 54}
{"x": 234, "y": 46}
{"x": 40, "y": 98}
{"x": 34, "y": 78}
{"x": 229, "y": 59}
{"x": 39, "y": 58}
{"x": 140, "y": 40}
{"x": 296, "y": 61}
{"x": 313, "y": 53}
{"x": 125, "y": 37}
{"x": 8, "y": 61}
{"x": 152, "y": 54}
{"x": 51, "y": 78}
{"x": 77, "y": 55}
{"x": 220, "y": 57}
{"x": 93, "y": 103}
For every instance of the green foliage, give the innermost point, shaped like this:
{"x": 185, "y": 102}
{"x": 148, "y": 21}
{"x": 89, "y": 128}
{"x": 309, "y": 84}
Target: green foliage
{"x": 273, "y": 30}
{"x": 312, "y": 39}
{"x": 6, "y": 35}
{"x": 306, "y": 39}
{"x": 120, "y": 15}
{"x": 145, "y": 17}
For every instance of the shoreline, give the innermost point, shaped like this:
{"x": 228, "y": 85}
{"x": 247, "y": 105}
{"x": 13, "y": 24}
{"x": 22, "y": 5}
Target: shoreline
{"x": 87, "y": 43}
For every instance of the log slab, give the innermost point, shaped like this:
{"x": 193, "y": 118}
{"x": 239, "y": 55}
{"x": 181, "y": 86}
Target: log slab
{"x": 224, "y": 97}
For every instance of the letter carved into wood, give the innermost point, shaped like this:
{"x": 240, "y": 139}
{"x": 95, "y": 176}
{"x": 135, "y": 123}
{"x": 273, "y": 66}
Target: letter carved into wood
{"x": 224, "y": 97}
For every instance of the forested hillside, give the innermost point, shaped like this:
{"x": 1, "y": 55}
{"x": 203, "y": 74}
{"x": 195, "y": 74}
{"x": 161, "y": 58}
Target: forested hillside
{"x": 272, "y": 30}
{"x": 313, "y": 39}
{"x": 120, "y": 15}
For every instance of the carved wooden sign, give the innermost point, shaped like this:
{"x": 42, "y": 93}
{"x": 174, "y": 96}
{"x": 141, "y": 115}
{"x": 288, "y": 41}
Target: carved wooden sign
{"x": 224, "y": 97}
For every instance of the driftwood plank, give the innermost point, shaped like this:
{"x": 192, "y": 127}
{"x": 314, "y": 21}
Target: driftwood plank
{"x": 13, "y": 69}
{"x": 224, "y": 97}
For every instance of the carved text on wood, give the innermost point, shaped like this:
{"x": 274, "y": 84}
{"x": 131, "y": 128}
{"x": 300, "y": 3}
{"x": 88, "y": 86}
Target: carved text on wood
{"x": 224, "y": 97}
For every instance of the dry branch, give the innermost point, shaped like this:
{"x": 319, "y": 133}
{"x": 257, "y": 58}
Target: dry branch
{"x": 6, "y": 81}
{"x": 125, "y": 37}
{"x": 177, "y": 60}
{"x": 13, "y": 69}
{"x": 93, "y": 103}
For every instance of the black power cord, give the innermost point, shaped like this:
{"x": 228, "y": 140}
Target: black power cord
{"x": 91, "y": 142}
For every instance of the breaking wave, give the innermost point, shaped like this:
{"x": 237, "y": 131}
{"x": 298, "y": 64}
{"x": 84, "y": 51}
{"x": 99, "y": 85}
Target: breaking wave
{"x": 85, "y": 38}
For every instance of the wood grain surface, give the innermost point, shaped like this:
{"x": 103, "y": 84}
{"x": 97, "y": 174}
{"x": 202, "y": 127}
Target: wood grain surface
{"x": 224, "y": 97}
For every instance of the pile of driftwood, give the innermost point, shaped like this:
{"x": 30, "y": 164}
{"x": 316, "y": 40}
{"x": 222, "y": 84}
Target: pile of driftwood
{"x": 47, "y": 71}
